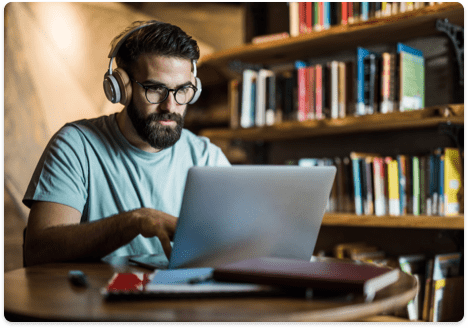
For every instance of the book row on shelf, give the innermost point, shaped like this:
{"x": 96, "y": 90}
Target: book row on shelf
{"x": 373, "y": 83}
{"x": 439, "y": 276}
{"x": 307, "y": 17}
{"x": 372, "y": 184}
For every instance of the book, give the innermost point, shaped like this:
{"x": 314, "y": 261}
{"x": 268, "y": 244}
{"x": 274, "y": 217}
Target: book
{"x": 302, "y": 90}
{"x": 319, "y": 92}
{"x": 387, "y": 104}
{"x": 334, "y": 89}
{"x": 248, "y": 98}
{"x": 357, "y": 179}
{"x": 233, "y": 100}
{"x": 342, "y": 78}
{"x": 364, "y": 279}
{"x": 412, "y": 78}
{"x": 416, "y": 186}
{"x": 379, "y": 187}
{"x": 402, "y": 179}
{"x": 344, "y": 13}
{"x": 442, "y": 185}
{"x": 445, "y": 266}
{"x": 393, "y": 186}
{"x": 261, "y": 96}
{"x": 310, "y": 92}
{"x": 362, "y": 53}
{"x": 452, "y": 181}
{"x": 271, "y": 112}
{"x": 363, "y": 182}
{"x": 294, "y": 19}
{"x": 415, "y": 265}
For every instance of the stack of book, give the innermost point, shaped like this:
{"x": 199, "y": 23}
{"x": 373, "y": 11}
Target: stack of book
{"x": 371, "y": 184}
{"x": 374, "y": 83}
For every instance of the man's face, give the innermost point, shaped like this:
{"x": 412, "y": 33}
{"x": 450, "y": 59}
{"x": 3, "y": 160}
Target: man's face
{"x": 160, "y": 125}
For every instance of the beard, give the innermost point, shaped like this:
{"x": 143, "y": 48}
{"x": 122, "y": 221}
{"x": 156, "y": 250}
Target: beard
{"x": 154, "y": 133}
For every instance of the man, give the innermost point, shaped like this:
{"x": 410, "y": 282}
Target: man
{"x": 113, "y": 185}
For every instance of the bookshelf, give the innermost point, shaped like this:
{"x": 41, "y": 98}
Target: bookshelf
{"x": 397, "y": 133}
{"x": 428, "y": 117}
{"x": 387, "y": 221}
{"x": 403, "y": 26}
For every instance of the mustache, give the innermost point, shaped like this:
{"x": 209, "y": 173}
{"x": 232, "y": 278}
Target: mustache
{"x": 165, "y": 116}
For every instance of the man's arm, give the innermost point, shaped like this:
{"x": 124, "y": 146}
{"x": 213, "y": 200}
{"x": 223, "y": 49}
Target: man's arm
{"x": 55, "y": 234}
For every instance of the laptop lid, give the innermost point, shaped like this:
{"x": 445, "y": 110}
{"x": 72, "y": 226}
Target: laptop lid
{"x": 230, "y": 214}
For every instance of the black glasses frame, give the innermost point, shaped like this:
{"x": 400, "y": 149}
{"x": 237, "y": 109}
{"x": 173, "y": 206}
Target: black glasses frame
{"x": 174, "y": 91}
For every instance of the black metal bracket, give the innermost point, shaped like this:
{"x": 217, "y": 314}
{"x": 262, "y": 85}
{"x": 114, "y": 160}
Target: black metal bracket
{"x": 457, "y": 35}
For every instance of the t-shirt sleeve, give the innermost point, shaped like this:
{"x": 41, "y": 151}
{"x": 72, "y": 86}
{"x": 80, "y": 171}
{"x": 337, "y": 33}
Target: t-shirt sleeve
{"x": 60, "y": 175}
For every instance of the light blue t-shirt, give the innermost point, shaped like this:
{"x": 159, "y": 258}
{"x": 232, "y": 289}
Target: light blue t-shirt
{"x": 90, "y": 166}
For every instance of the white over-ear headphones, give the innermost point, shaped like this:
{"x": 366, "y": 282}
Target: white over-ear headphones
{"x": 117, "y": 84}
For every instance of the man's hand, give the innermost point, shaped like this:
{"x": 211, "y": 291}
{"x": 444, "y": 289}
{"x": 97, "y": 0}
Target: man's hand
{"x": 154, "y": 223}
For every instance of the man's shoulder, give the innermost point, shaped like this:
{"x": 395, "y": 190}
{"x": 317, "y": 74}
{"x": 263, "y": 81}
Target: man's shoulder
{"x": 86, "y": 126}
{"x": 201, "y": 150}
{"x": 192, "y": 140}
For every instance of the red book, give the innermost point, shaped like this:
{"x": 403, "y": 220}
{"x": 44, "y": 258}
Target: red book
{"x": 324, "y": 274}
{"x": 344, "y": 13}
{"x": 318, "y": 92}
{"x": 302, "y": 18}
{"x": 310, "y": 92}
{"x": 309, "y": 23}
{"x": 320, "y": 16}
{"x": 302, "y": 93}
{"x": 350, "y": 12}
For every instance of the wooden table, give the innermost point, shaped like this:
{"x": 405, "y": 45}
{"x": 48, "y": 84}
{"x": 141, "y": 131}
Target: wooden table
{"x": 45, "y": 293}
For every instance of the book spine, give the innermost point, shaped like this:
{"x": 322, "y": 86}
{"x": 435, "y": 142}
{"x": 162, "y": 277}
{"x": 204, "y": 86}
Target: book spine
{"x": 309, "y": 22}
{"x": 318, "y": 92}
{"x": 402, "y": 175}
{"x": 379, "y": 185}
{"x": 369, "y": 185}
{"x": 302, "y": 18}
{"x": 311, "y": 92}
{"x": 344, "y": 13}
{"x": 341, "y": 89}
{"x": 452, "y": 183}
{"x": 302, "y": 90}
{"x": 234, "y": 103}
{"x": 294, "y": 18}
{"x": 416, "y": 196}
{"x": 248, "y": 88}
{"x": 334, "y": 89}
{"x": 357, "y": 186}
{"x": 365, "y": 11}
{"x": 360, "y": 98}
{"x": 422, "y": 184}
{"x": 270, "y": 115}
{"x": 393, "y": 187}
{"x": 442, "y": 185}
{"x": 326, "y": 15}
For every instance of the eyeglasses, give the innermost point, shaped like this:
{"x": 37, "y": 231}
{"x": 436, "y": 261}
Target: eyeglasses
{"x": 157, "y": 94}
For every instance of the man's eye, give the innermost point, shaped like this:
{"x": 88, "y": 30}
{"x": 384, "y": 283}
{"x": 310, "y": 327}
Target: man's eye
{"x": 156, "y": 88}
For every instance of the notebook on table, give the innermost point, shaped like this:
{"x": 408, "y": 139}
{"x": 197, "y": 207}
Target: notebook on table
{"x": 321, "y": 274}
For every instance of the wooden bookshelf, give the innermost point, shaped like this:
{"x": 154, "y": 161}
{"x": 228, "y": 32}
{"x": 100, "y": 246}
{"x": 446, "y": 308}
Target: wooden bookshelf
{"x": 428, "y": 117}
{"x": 404, "y": 221}
{"x": 396, "y": 28}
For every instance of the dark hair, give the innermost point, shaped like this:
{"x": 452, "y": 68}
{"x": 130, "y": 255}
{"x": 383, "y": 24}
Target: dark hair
{"x": 158, "y": 38}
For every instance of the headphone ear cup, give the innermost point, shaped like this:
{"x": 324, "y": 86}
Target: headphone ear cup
{"x": 111, "y": 88}
{"x": 199, "y": 90}
{"x": 125, "y": 85}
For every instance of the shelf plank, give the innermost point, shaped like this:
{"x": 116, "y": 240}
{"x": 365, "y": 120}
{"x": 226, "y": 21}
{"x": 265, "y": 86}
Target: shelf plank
{"x": 405, "y": 221}
{"x": 396, "y": 28}
{"x": 428, "y": 117}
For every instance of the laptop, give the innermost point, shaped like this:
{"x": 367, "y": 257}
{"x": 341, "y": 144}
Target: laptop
{"x": 241, "y": 212}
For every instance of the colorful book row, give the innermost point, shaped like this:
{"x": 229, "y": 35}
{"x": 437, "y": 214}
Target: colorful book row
{"x": 374, "y": 83}
{"x": 306, "y": 17}
{"x": 371, "y": 184}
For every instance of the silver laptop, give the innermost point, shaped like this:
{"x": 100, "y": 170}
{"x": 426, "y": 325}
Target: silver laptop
{"x": 241, "y": 212}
